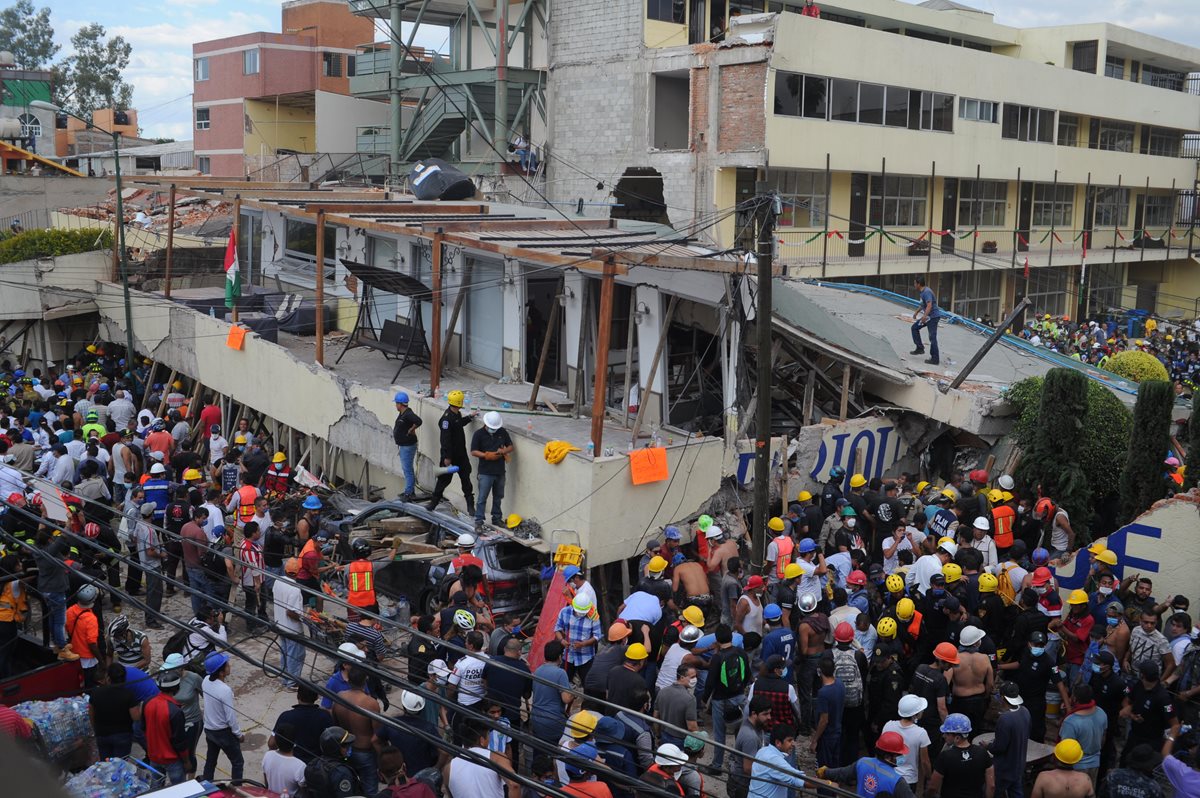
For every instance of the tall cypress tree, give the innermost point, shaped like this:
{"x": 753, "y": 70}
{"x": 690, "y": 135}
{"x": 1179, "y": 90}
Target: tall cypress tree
{"x": 1142, "y": 481}
{"x": 1191, "y": 475}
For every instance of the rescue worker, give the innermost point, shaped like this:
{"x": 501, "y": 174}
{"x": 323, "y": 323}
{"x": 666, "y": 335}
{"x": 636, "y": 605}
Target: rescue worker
{"x": 874, "y": 775}
{"x": 1004, "y": 520}
{"x": 404, "y": 434}
{"x": 831, "y": 492}
{"x": 360, "y": 578}
{"x": 779, "y": 551}
{"x": 278, "y": 479}
{"x": 452, "y": 429}
{"x": 331, "y": 775}
{"x": 241, "y": 503}
{"x": 465, "y": 543}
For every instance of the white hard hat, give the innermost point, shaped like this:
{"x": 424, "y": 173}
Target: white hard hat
{"x": 1006, "y": 482}
{"x": 350, "y": 650}
{"x": 970, "y": 635}
{"x": 949, "y": 548}
{"x": 670, "y": 755}
{"x": 912, "y": 705}
{"x": 439, "y": 670}
{"x": 465, "y": 541}
{"x": 493, "y": 420}
{"x": 158, "y": 468}
{"x": 714, "y": 531}
{"x": 411, "y": 702}
{"x": 982, "y": 523}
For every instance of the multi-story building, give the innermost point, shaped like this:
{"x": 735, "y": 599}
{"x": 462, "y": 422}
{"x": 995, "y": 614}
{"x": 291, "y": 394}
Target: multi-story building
{"x": 19, "y": 88}
{"x": 905, "y": 139}
{"x": 260, "y": 95}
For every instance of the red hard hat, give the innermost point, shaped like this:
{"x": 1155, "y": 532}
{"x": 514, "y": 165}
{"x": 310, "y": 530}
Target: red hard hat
{"x": 891, "y": 743}
{"x": 844, "y": 632}
{"x": 978, "y": 476}
{"x": 946, "y": 652}
{"x": 856, "y": 578}
{"x": 1041, "y": 576}
{"x": 91, "y": 530}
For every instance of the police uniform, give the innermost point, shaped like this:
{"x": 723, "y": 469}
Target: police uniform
{"x": 451, "y": 428}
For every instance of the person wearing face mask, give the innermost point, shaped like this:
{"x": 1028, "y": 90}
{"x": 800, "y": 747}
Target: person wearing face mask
{"x": 1108, "y": 690}
{"x": 1103, "y": 595}
{"x": 1076, "y": 630}
{"x": 1117, "y": 631}
{"x": 1099, "y": 564}
{"x": 676, "y": 706}
{"x": 1034, "y": 674}
{"x": 1150, "y": 712}
{"x": 846, "y": 537}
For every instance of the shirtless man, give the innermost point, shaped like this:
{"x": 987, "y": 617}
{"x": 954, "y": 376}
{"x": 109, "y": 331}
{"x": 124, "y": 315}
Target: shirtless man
{"x": 363, "y": 758}
{"x": 1116, "y": 635}
{"x": 689, "y": 587}
{"x": 812, "y": 630}
{"x": 1063, "y": 781}
{"x": 721, "y": 549}
{"x": 973, "y": 678}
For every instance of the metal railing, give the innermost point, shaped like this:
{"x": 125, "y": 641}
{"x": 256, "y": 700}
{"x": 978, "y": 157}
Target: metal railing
{"x": 376, "y": 59}
{"x": 373, "y": 139}
{"x": 36, "y": 219}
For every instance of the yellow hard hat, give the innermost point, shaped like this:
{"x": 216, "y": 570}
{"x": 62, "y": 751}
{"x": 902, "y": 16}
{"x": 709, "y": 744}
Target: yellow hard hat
{"x": 905, "y": 609}
{"x": 146, "y": 361}
{"x": 1046, "y": 317}
{"x": 636, "y": 652}
{"x": 944, "y": 539}
{"x": 582, "y": 724}
{"x": 191, "y": 474}
{"x": 949, "y": 494}
{"x": 775, "y": 524}
{"x": 793, "y": 571}
{"x": 694, "y": 616}
{"x": 1170, "y": 337}
{"x": 1068, "y": 751}
{"x": 995, "y": 495}
{"x": 177, "y": 385}
{"x": 921, "y": 486}
{"x": 513, "y": 521}
{"x": 455, "y": 398}
{"x": 1096, "y": 548}
{"x": 894, "y": 583}
{"x": 804, "y": 496}
{"x": 988, "y": 583}
{"x": 279, "y": 457}
{"x": 1108, "y": 557}
{"x": 952, "y": 571}
{"x": 91, "y": 349}
{"x": 1078, "y": 597}
{"x": 657, "y": 565}
{"x": 886, "y": 627}
{"x": 857, "y": 481}
{"x": 1007, "y": 496}
{"x": 240, "y": 439}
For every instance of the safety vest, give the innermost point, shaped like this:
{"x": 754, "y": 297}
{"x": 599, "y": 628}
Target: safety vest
{"x": 276, "y": 480}
{"x": 361, "y": 583}
{"x": 246, "y": 496}
{"x": 1003, "y": 518}
{"x": 463, "y": 560}
{"x": 784, "y": 546}
{"x": 12, "y": 608}
{"x": 875, "y": 777}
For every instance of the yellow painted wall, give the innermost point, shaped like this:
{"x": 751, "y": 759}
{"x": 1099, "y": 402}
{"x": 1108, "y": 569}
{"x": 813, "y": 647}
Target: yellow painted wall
{"x": 1181, "y": 279}
{"x": 664, "y": 34}
{"x": 284, "y": 127}
{"x": 725, "y": 196}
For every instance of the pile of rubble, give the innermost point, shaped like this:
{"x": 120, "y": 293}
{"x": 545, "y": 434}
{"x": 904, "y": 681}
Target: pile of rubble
{"x": 149, "y": 210}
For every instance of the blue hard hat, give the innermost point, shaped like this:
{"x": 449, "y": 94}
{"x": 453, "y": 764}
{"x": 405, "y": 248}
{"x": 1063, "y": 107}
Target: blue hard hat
{"x": 401, "y": 396}
{"x": 1040, "y": 556}
{"x": 158, "y": 386}
{"x": 214, "y": 662}
{"x": 103, "y": 387}
{"x": 19, "y": 373}
{"x": 36, "y": 381}
{"x": 219, "y": 531}
{"x": 807, "y": 545}
{"x": 570, "y": 572}
{"x": 312, "y": 503}
{"x": 956, "y": 723}
{"x": 837, "y": 472}
{"x": 575, "y": 760}
{"x": 771, "y": 612}
{"x": 671, "y": 533}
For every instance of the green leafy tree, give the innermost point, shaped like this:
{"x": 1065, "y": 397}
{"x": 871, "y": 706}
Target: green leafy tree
{"x": 1051, "y": 458}
{"x": 1137, "y": 366}
{"x": 1142, "y": 481}
{"x": 90, "y": 77}
{"x": 1191, "y": 475}
{"x": 28, "y": 35}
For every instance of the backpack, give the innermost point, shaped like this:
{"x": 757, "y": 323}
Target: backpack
{"x": 1189, "y": 668}
{"x": 734, "y": 671}
{"x": 845, "y": 668}
{"x": 176, "y": 643}
{"x": 1004, "y": 586}
{"x": 213, "y": 561}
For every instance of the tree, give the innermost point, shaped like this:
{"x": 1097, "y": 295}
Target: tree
{"x": 1052, "y": 458}
{"x": 1191, "y": 474}
{"x": 1142, "y": 481}
{"x": 28, "y": 35}
{"x": 90, "y": 78}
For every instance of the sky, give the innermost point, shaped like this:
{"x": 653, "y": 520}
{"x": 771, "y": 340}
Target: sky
{"x": 162, "y": 32}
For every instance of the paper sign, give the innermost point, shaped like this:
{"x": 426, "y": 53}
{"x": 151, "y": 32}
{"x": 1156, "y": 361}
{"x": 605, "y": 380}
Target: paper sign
{"x": 648, "y": 465}
{"x": 52, "y": 499}
{"x": 237, "y": 336}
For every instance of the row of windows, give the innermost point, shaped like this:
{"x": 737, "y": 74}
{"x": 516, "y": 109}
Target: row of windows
{"x": 839, "y": 100}
{"x": 1085, "y": 55}
{"x": 331, "y": 65}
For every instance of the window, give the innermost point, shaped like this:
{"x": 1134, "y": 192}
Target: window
{"x": 203, "y": 165}
{"x": 670, "y": 130}
{"x": 937, "y": 111}
{"x": 977, "y": 293}
{"x": 331, "y": 65}
{"x": 200, "y": 67}
{"x": 1068, "y": 130}
{"x": 1112, "y": 136}
{"x": 899, "y": 201}
{"x": 350, "y": 66}
{"x": 1112, "y": 207}
{"x": 843, "y": 100}
{"x": 300, "y": 242}
{"x": 1024, "y": 123}
{"x": 1053, "y": 205}
{"x": 202, "y": 120}
{"x": 803, "y": 193}
{"x": 1084, "y": 55}
{"x": 870, "y": 104}
{"x": 31, "y": 126}
{"x": 983, "y": 203}
{"x": 978, "y": 110}
{"x": 1162, "y": 78}
{"x": 789, "y": 94}
{"x": 1156, "y": 211}
{"x": 1114, "y": 67}
{"x": 865, "y": 103}
{"x": 1161, "y": 141}
{"x": 896, "y": 107}
{"x": 250, "y": 62}
{"x": 1048, "y": 290}
{"x": 665, "y": 11}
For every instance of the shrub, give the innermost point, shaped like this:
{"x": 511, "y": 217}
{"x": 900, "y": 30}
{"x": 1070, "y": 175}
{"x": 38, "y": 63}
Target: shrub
{"x": 1142, "y": 481}
{"x": 51, "y": 243}
{"x": 1137, "y": 366}
{"x": 1192, "y": 473}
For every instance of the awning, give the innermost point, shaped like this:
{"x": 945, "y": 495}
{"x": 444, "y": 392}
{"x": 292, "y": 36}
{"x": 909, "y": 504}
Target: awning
{"x": 389, "y": 281}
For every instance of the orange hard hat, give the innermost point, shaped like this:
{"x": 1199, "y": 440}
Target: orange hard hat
{"x": 946, "y": 652}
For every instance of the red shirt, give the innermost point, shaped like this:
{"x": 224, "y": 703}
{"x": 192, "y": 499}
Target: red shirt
{"x": 163, "y": 720}
{"x": 1076, "y": 634}
{"x": 310, "y": 561}
{"x": 195, "y": 542}
{"x": 160, "y": 442}
{"x": 211, "y": 414}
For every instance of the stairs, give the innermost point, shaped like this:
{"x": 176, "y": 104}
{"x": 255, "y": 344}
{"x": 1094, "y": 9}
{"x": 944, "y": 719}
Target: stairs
{"x": 11, "y": 152}
{"x": 443, "y": 118}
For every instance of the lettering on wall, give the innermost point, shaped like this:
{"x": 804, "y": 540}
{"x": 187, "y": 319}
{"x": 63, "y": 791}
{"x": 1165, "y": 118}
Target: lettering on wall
{"x": 869, "y": 446}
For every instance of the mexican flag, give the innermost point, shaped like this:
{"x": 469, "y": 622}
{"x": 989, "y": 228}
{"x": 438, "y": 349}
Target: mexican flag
{"x": 233, "y": 275}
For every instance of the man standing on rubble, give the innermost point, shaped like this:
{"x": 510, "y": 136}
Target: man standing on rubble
{"x": 492, "y": 446}
{"x": 451, "y": 427}
{"x": 404, "y": 433}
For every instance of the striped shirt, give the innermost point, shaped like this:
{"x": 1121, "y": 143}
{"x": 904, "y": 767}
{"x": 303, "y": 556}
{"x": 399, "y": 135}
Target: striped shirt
{"x": 372, "y": 637}
{"x": 578, "y": 628}
{"x": 250, "y": 554}
{"x": 129, "y": 653}
{"x": 497, "y": 740}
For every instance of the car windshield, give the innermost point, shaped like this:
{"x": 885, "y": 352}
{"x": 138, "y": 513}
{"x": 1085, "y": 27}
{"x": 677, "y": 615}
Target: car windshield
{"x": 515, "y": 557}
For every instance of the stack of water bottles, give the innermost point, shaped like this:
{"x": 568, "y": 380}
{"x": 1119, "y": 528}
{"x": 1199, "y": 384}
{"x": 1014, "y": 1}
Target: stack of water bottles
{"x": 109, "y": 778}
{"x": 63, "y": 723}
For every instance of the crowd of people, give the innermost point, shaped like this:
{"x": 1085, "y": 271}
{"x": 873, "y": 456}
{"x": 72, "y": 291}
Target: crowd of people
{"x": 889, "y": 624}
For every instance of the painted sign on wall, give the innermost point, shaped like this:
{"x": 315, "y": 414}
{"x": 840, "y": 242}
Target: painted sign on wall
{"x": 867, "y": 446}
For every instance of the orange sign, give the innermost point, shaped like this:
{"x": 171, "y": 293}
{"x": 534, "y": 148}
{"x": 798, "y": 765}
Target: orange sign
{"x": 237, "y": 336}
{"x": 648, "y": 465}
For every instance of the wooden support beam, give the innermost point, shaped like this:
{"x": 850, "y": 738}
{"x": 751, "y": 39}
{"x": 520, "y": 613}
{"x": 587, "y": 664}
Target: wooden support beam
{"x": 520, "y": 224}
{"x": 435, "y": 366}
{"x": 845, "y": 392}
{"x": 149, "y": 383}
{"x": 630, "y": 329}
{"x": 162, "y": 403}
{"x": 626, "y": 258}
{"x": 792, "y": 349}
{"x": 393, "y": 208}
{"x": 170, "y": 241}
{"x": 320, "y": 275}
{"x": 810, "y": 390}
{"x": 463, "y": 289}
{"x": 555, "y": 308}
{"x": 604, "y": 334}
{"x": 748, "y": 416}
{"x": 644, "y": 389}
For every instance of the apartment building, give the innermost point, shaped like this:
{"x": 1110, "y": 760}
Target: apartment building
{"x": 905, "y": 139}
{"x": 261, "y": 95}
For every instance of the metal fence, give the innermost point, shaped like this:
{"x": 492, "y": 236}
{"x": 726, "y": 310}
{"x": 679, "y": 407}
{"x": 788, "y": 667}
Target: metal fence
{"x": 36, "y": 219}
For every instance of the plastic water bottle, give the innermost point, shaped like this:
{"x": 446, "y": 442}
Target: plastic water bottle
{"x": 529, "y": 426}
{"x": 403, "y": 611}
{"x": 591, "y": 449}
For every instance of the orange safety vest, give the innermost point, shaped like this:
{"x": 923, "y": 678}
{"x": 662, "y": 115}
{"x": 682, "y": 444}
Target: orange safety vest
{"x": 463, "y": 560}
{"x": 361, "y": 582}
{"x": 1003, "y": 518}
{"x": 12, "y": 608}
{"x": 784, "y": 546}
{"x": 246, "y": 496}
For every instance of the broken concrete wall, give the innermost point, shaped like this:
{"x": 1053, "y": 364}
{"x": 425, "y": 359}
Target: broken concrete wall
{"x": 873, "y": 447}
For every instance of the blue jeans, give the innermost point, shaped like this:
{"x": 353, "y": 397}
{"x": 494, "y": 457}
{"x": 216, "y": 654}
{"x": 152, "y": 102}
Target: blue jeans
{"x": 114, "y": 745}
{"x": 56, "y": 611}
{"x": 173, "y": 772}
{"x": 291, "y": 659}
{"x": 931, "y": 325}
{"x": 495, "y": 486}
{"x": 268, "y": 588}
{"x": 366, "y": 765}
{"x": 198, "y": 582}
{"x": 408, "y": 455}
{"x": 718, "y": 719}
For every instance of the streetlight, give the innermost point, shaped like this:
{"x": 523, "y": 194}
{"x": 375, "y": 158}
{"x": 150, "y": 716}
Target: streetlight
{"x": 116, "y": 137}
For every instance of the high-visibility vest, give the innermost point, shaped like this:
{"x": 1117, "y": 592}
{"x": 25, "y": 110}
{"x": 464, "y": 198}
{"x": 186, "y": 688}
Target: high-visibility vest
{"x": 463, "y": 560}
{"x": 784, "y": 546}
{"x": 12, "y": 608}
{"x": 361, "y": 583}
{"x": 276, "y": 479}
{"x": 1003, "y": 519}
{"x": 246, "y": 496}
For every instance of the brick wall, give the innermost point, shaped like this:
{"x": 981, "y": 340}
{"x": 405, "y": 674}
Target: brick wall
{"x": 699, "y": 109}
{"x": 742, "y": 115}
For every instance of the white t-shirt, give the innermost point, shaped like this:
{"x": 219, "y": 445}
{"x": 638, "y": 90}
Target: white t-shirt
{"x": 1058, "y": 534}
{"x": 915, "y": 738}
{"x": 925, "y": 567}
{"x": 810, "y": 584}
{"x": 475, "y": 781}
{"x": 987, "y": 547}
{"x": 283, "y": 772}
{"x": 670, "y": 666}
{"x": 287, "y": 596}
{"x": 216, "y": 448}
{"x": 468, "y": 678}
{"x": 890, "y": 564}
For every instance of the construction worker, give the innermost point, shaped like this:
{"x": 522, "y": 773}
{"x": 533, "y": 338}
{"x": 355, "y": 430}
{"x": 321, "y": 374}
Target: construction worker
{"x": 360, "y": 577}
{"x": 93, "y": 426}
{"x": 1004, "y": 519}
{"x": 874, "y": 775}
{"x": 158, "y": 491}
{"x": 1064, "y": 779}
{"x": 465, "y": 543}
{"x": 241, "y": 503}
{"x": 452, "y": 429}
{"x": 404, "y": 434}
{"x": 779, "y": 551}
{"x": 278, "y": 479}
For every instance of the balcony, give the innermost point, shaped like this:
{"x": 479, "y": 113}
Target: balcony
{"x": 373, "y": 65}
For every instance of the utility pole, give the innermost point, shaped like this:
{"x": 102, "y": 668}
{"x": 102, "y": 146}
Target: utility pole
{"x": 765, "y": 247}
